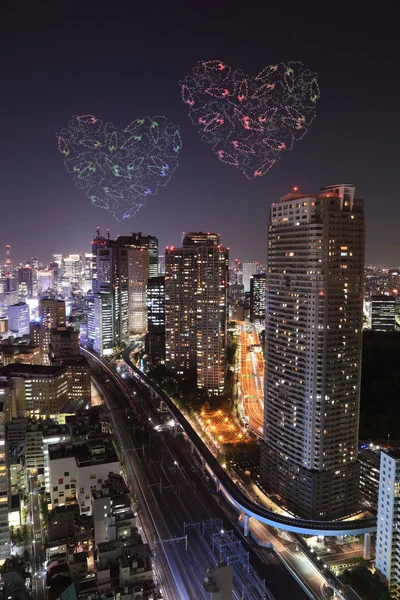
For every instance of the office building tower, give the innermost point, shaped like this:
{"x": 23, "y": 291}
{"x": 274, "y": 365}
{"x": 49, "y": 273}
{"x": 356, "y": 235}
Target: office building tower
{"x": 51, "y": 315}
{"x": 196, "y": 309}
{"x": 155, "y": 337}
{"x": 110, "y": 291}
{"x": 238, "y": 273}
{"x": 248, "y": 270}
{"x": 257, "y": 298}
{"x": 88, "y": 272}
{"x": 313, "y": 336}
{"x": 387, "y": 560}
{"x": 5, "y": 548}
{"x": 64, "y": 350}
{"x": 36, "y": 390}
{"x": 18, "y": 319}
{"x": 147, "y": 242}
{"x": 10, "y": 290}
{"x": 138, "y": 276}
{"x": 383, "y": 313}
{"x": 45, "y": 281}
{"x": 161, "y": 264}
{"x": 58, "y": 259}
{"x": 26, "y": 276}
{"x": 72, "y": 267}
{"x": 100, "y": 327}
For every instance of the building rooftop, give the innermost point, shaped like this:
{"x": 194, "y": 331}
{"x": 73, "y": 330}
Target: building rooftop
{"x": 97, "y": 451}
{"x": 18, "y": 370}
{"x": 393, "y": 452}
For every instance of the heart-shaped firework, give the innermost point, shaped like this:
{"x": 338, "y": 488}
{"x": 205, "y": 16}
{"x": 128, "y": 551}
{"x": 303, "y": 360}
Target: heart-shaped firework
{"x": 119, "y": 169}
{"x": 251, "y": 121}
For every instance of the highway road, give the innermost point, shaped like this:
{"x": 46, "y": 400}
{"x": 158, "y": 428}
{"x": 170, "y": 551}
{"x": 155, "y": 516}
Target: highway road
{"x": 181, "y": 505}
{"x": 250, "y": 364}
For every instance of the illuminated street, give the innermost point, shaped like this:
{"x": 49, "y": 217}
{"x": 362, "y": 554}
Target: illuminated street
{"x": 250, "y": 362}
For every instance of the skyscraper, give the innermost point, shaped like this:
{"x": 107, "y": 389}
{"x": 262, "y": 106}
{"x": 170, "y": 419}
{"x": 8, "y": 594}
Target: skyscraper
{"x": 148, "y": 242}
{"x": 314, "y": 295}
{"x": 73, "y": 270}
{"x": 52, "y": 315}
{"x": 5, "y": 548}
{"x": 155, "y": 337}
{"x": 257, "y": 298}
{"x": 196, "y": 309}
{"x": 383, "y": 313}
{"x": 110, "y": 287}
{"x": 248, "y": 270}
{"x": 138, "y": 276}
{"x": 387, "y": 560}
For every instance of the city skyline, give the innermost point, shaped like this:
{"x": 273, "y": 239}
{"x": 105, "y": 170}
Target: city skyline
{"x": 351, "y": 139}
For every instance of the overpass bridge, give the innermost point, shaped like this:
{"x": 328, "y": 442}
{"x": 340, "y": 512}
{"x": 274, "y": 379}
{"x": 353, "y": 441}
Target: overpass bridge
{"x": 224, "y": 484}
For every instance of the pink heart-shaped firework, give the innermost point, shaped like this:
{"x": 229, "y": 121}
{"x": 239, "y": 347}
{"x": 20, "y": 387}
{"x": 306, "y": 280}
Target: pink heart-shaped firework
{"x": 251, "y": 121}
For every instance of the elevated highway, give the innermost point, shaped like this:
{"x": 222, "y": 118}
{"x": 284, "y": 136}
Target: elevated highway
{"x": 224, "y": 483}
{"x": 235, "y": 496}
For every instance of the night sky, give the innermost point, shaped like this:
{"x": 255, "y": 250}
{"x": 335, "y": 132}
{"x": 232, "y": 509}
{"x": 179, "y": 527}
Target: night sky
{"x": 122, "y": 63}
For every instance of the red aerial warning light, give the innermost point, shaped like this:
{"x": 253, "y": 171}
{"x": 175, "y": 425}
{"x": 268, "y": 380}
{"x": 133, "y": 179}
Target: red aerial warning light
{"x": 295, "y": 188}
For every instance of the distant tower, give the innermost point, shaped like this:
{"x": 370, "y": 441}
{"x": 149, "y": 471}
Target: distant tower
{"x": 8, "y": 259}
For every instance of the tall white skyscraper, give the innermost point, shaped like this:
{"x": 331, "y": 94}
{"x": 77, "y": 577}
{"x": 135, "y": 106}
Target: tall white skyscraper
{"x": 314, "y": 309}
{"x": 387, "y": 560}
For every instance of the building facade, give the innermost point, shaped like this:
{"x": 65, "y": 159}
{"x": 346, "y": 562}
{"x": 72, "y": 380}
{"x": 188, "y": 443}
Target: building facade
{"x": 383, "y": 313}
{"x": 196, "y": 281}
{"x": 51, "y": 315}
{"x": 155, "y": 303}
{"x": 387, "y": 550}
{"x": 257, "y": 298}
{"x": 314, "y": 310}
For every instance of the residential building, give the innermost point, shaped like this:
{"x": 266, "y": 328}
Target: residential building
{"x": 313, "y": 341}
{"x": 196, "y": 278}
{"x": 369, "y": 461}
{"x": 77, "y": 469}
{"x": 257, "y": 298}
{"x": 5, "y": 548}
{"x": 383, "y": 313}
{"x": 387, "y": 551}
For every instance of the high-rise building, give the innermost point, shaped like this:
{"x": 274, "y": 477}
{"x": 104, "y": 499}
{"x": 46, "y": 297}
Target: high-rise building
{"x": 45, "y": 281}
{"x": 110, "y": 282}
{"x": 196, "y": 278}
{"x": 18, "y": 319}
{"x": 73, "y": 270}
{"x": 138, "y": 276}
{"x": 387, "y": 560}
{"x": 25, "y": 279}
{"x": 51, "y": 315}
{"x": 5, "y": 548}
{"x": 383, "y": 313}
{"x": 64, "y": 350}
{"x": 314, "y": 311}
{"x": 88, "y": 272}
{"x": 148, "y": 242}
{"x": 257, "y": 298}
{"x": 248, "y": 270}
{"x": 101, "y": 323}
{"x": 155, "y": 337}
